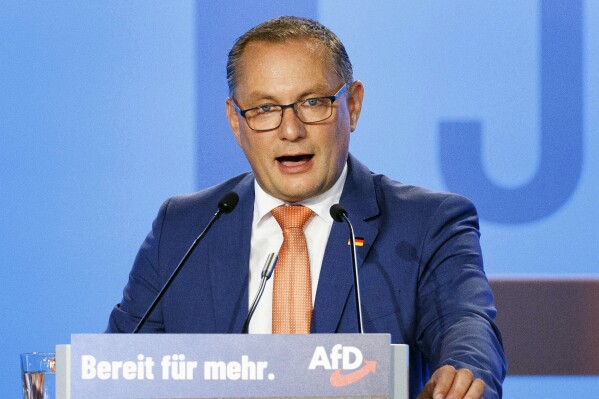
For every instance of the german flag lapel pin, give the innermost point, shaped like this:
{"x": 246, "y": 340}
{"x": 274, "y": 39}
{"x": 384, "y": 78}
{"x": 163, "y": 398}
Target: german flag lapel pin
{"x": 359, "y": 242}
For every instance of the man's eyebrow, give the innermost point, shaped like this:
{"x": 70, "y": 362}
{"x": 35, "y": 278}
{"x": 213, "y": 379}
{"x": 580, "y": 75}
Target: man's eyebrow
{"x": 315, "y": 92}
{"x": 260, "y": 96}
{"x": 318, "y": 90}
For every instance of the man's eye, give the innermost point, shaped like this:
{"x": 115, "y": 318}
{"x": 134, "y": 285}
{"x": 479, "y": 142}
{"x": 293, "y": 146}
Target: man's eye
{"x": 263, "y": 109}
{"x": 312, "y": 102}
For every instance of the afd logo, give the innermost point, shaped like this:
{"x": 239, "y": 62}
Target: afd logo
{"x": 561, "y": 143}
{"x": 346, "y": 361}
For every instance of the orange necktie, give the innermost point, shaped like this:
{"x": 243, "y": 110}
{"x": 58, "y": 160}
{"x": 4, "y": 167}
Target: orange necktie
{"x": 292, "y": 292}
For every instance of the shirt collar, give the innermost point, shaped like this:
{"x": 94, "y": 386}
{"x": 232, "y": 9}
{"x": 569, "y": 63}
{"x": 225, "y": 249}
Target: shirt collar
{"x": 320, "y": 204}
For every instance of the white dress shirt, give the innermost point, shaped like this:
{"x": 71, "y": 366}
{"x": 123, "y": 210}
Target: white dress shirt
{"x": 267, "y": 237}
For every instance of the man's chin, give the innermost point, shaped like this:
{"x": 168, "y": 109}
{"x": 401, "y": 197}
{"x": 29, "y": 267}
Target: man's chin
{"x": 297, "y": 194}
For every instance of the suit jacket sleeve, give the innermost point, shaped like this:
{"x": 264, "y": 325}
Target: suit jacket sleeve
{"x": 455, "y": 304}
{"x": 144, "y": 284}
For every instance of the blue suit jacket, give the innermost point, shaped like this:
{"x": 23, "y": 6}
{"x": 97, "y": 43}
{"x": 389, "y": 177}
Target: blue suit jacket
{"x": 421, "y": 274}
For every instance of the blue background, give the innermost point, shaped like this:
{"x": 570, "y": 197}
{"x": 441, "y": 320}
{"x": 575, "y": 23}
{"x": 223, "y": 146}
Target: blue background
{"x": 107, "y": 108}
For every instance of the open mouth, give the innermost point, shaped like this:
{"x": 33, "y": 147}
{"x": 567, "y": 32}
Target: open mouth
{"x": 290, "y": 160}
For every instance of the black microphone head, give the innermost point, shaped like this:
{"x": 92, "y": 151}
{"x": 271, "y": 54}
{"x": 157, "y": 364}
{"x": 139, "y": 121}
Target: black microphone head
{"x": 337, "y": 212}
{"x": 228, "y": 202}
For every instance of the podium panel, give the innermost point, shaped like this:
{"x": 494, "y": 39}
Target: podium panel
{"x": 169, "y": 366}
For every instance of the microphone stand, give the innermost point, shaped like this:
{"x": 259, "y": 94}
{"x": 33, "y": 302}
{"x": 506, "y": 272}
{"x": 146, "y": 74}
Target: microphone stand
{"x": 269, "y": 267}
{"x": 226, "y": 205}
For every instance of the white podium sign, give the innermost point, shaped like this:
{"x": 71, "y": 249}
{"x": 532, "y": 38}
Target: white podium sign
{"x": 169, "y": 366}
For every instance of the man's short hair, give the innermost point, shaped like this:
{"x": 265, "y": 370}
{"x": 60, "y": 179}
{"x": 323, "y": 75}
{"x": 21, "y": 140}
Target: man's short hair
{"x": 283, "y": 29}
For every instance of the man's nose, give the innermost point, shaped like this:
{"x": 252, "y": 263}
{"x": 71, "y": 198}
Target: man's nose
{"x": 291, "y": 127}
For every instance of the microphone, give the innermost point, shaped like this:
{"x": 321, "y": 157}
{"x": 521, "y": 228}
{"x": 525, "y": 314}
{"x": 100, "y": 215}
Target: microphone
{"x": 339, "y": 214}
{"x": 226, "y": 205}
{"x": 269, "y": 267}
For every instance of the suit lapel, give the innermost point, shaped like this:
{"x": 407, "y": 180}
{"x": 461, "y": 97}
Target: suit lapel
{"x": 336, "y": 278}
{"x": 229, "y": 259}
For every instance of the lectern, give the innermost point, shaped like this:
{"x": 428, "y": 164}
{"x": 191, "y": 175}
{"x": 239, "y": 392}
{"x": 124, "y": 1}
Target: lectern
{"x": 169, "y": 366}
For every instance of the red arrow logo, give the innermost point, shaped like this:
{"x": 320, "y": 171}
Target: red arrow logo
{"x": 340, "y": 380}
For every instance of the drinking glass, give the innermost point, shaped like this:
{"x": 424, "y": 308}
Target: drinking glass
{"x": 39, "y": 380}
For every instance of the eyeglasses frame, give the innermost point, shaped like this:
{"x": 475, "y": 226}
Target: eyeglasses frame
{"x": 333, "y": 98}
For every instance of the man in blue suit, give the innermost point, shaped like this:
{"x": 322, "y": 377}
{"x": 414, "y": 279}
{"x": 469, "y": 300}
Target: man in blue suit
{"x": 293, "y": 104}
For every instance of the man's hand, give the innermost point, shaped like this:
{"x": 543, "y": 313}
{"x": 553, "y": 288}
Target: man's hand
{"x": 449, "y": 383}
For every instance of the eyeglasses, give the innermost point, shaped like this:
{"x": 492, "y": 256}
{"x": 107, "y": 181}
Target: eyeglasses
{"x": 269, "y": 116}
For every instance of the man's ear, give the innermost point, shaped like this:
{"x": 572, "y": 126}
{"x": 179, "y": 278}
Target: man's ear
{"x": 233, "y": 118}
{"x": 354, "y": 103}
